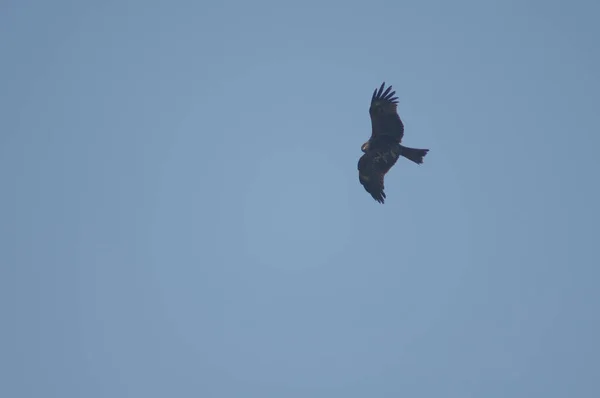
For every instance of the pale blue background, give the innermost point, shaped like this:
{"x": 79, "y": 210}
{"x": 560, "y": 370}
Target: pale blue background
{"x": 181, "y": 214}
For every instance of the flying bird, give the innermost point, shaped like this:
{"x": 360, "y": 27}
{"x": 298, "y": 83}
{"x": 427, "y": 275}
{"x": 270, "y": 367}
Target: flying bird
{"x": 383, "y": 149}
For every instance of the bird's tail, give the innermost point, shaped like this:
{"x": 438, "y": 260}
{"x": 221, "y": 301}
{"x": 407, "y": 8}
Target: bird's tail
{"x": 416, "y": 155}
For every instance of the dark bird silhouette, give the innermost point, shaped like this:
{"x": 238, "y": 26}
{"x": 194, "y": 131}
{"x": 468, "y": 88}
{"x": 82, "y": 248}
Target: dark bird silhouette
{"x": 383, "y": 149}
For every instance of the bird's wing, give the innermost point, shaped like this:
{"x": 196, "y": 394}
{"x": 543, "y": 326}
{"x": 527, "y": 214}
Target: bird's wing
{"x": 384, "y": 114}
{"x": 370, "y": 178}
{"x": 372, "y": 168}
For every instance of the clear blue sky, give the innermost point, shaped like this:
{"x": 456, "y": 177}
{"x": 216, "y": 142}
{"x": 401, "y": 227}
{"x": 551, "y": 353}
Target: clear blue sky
{"x": 181, "y": 214}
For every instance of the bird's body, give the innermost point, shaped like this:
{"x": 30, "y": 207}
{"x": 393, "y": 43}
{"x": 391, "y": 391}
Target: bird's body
{"x": 384, "y": 147}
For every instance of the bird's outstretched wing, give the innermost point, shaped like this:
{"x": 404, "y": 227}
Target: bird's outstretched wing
{"x": 384, "y": 114}
{"x": 372, "y": 168}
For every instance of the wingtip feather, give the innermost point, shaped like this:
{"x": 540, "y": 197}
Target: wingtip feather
{"x": 388, "y": 95}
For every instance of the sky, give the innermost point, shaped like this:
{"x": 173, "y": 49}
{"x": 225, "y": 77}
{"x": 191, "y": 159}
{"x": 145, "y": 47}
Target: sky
{"x": 181, "y": 214}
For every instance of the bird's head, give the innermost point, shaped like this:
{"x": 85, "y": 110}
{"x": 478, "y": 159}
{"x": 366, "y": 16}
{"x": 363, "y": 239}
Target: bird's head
{"x": 365, "y": 147}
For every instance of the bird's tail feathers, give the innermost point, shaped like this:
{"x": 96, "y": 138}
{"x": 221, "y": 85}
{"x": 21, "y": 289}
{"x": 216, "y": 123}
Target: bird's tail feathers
{"x": 414, "y": 154}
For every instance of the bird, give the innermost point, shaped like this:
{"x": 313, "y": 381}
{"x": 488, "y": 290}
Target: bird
{"x": 383, "y": 148}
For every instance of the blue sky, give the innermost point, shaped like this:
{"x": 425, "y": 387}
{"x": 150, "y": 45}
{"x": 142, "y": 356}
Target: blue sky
{"x": 182, "y": 217}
